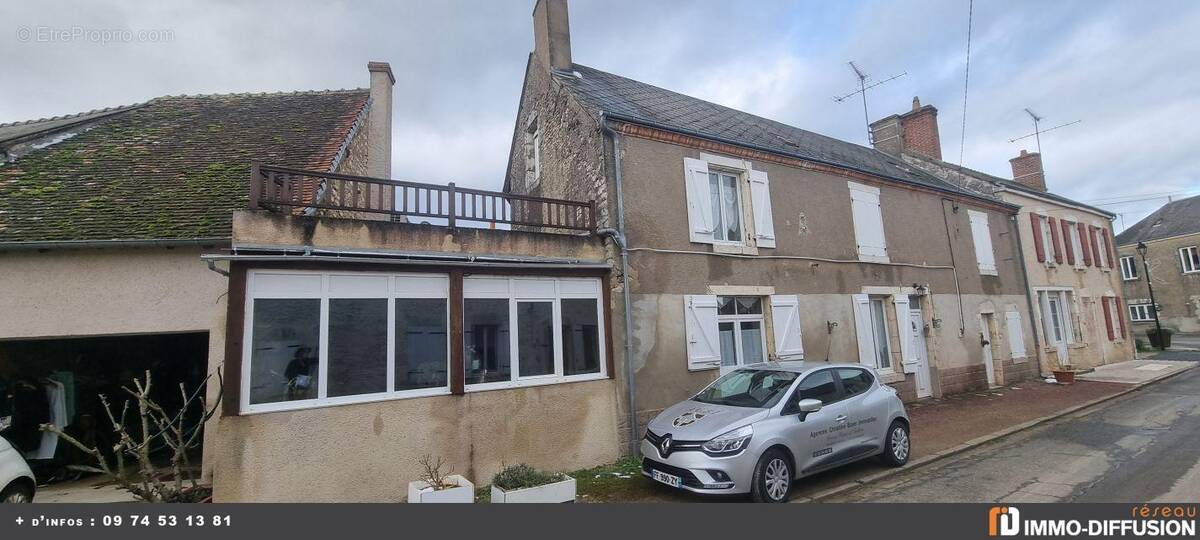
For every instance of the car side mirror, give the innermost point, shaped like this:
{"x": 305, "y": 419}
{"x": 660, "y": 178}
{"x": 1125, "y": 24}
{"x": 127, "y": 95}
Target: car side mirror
{"x": 806, "y": 406}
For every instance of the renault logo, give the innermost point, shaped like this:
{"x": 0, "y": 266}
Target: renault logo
{"x": 664, "y": 447}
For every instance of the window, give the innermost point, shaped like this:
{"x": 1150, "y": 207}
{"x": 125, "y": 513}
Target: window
{"x": 1058, "y": 317}
{"x": 324, "y": 338}
{"x": 1074, "y": 244}
{"x": 1100, "y": 242}
{"x": 855, "y": 381}
{"x": 1141, "y": 312}
{"x": 728, "y": 203}
{"x": 871, "y": 328}
{"x": 533, "y": 153}
{"x": 520, "y": 331}
{"x": 1189, "y": 258}
{"x": 883, "y": 356}
{"x": 741, "y": 329}
{"x": 868, "y": 223}
{"x": 982, "y": 236}
{"x": 819, "y": 386}
{"x": 1047, "y": 239}
{"x": 725, "y": 200}
{"x": 1129, "y": 270}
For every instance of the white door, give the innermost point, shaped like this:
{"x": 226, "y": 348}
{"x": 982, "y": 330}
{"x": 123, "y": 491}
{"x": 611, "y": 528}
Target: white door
{"x": 921, "y": 354}
{"x": 986, "y": 342}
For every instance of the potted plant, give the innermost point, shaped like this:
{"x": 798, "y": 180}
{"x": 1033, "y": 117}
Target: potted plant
{"x": 1065, "y": 374}
{"x": 438, "y": 487}
{"x": 1156, "y": 339}
{"x": 524, "y": 484}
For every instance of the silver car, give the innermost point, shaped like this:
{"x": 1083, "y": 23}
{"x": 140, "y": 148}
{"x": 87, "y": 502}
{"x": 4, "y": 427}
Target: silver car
{"x": 757, "y": 429}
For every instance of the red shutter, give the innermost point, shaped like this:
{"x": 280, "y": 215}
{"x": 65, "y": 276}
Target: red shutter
{"x": 1085, "y": 245}
{"x": 1121, "y": 314}
{"x": 1107, "y": 247}
{"x": 1066, "y": 230}
{"x": 1095, "y": 245}
{"x": 1108, "y": 322}
{"x": 1054, "y": 238}
{"x": 1037, "y": 237}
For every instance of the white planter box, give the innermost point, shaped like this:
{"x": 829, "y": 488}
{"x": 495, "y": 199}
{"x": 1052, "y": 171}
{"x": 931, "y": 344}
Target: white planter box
{"x": 420, "y": 492}
{"x": 558, "y": 492}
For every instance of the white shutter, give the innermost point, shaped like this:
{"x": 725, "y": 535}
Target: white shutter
{"x": 1016, "y": 334}
{"x": 700, "y": 216}
{"x": 785, "y": 319}
{"x": 981, "y": 233}
{"x": 868, "y": 222}
{"x": 909, "y": 362}
{"x": 862, "y": 327}
{"x": 703, "y": 338}
{"x": 760, "y": 199}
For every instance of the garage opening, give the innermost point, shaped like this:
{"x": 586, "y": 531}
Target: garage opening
{"x": 60, "y": 381}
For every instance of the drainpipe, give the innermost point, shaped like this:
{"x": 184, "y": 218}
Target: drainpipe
{"x": 618, "y": 237}
{"x": 962, "y": 317}
{"x": 1037, "y": 341}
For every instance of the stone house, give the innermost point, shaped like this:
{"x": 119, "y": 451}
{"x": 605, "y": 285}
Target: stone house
{"x": 1066, "y": 246}
{"x": 737, "y": 239}
{"x": 1172, "y": 238}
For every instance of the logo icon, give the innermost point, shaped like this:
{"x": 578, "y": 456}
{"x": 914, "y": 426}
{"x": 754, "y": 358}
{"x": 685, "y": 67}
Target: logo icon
{"x": 1003, "y": 521}
{"x": 664, "y": 447}
{"x": 687, "y": 418}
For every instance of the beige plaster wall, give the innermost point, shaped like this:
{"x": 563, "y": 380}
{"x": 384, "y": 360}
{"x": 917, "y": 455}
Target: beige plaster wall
{"x": 1178, "y": 294}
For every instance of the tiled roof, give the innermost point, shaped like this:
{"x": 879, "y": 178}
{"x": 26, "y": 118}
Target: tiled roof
{"x": 174, "y": 168}
{"x": 638, "y": 102}
{"x": 1176, "y": 218}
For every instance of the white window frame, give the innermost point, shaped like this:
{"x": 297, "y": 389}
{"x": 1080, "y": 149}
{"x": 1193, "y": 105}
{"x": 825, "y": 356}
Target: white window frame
{"x": 737, "y": 320}
{"x": 1101, "y": 241}
{"x": 274, "y": 284}
{"x": 538, "y": 289}
{"x": 887, "y": 334}
{"x": 1129, "y": 271}
{"x": 1047, "y": 240}
{"x": 722, "y": 219}
{"x": 1064, "y": 300}
{"x": 1140, "y": 312}
{"x": 1076, "y": 242}
{"x": 1187, "y": 259}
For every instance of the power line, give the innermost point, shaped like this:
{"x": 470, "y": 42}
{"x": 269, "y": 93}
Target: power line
{"x": 962, "y": 140}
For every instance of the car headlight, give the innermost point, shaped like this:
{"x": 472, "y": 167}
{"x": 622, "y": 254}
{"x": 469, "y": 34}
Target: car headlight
{"x": 730, "y": 442}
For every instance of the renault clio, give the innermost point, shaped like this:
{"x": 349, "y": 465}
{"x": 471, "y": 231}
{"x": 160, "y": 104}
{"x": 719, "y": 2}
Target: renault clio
{"x": 757, "y": 429}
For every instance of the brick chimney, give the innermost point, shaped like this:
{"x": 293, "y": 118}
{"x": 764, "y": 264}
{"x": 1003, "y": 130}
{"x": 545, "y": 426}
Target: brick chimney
{"x": 379, "y": 120}
{"x": 915, "y": 132}
{"x": 1027, "y": 170}
{"x": 552, "y": 34}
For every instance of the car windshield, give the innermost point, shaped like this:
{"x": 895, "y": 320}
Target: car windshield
{"x": 757, "y": 388}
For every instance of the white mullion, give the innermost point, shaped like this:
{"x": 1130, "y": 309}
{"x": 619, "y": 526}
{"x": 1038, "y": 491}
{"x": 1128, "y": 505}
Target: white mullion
{"x": 556, "y": 330}
{"x": 247, "y": 344}
{"x": 602, "y": 335}
{"x": 323, "y": 353}
{"x": 391, "y": 335}
{"x": 514, "y": 360}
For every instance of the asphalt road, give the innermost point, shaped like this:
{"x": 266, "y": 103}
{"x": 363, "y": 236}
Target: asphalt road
{"x": 1142, "y": 447}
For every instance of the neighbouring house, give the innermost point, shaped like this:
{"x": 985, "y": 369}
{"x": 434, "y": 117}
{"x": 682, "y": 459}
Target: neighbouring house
{"x": 104, "y": 217}
{"x": 1066, "y": 246}
{"x": 1172, "y": 238}
{"x": 740, "y": 239}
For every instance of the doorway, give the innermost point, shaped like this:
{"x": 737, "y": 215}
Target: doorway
{"x": 920, "y": 352}
{"x": 985, "y": 340}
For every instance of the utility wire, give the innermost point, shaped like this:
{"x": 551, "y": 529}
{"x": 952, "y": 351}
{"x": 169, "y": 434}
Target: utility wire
{"x": 962, "y": 140}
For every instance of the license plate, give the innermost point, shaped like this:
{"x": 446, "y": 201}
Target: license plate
{"x": 668, "y": 479}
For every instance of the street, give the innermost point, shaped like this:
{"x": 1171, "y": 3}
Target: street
{"x": 1138, "y": 448}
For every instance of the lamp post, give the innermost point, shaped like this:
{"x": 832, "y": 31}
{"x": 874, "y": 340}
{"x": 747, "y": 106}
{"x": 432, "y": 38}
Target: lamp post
{"x": 1141, "y": 249}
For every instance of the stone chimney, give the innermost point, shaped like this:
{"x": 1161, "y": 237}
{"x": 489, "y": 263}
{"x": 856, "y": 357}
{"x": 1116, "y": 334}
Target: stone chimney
{"x": 915, "y": 132}
{"x": 1027, "y": 170}
{"x": 379, "y": 120}
{"x": 552, "y": 34}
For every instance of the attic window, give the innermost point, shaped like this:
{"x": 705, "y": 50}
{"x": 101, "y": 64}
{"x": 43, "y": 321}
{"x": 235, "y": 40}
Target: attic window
{"x": 533, "y": 153}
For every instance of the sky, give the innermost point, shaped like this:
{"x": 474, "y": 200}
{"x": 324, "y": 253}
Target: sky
{"x": 1126, "y": 70}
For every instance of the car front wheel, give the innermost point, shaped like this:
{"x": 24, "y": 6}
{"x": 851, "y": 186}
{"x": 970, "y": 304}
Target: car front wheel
{"x": 898, "y": 445}
{"x": 772, "y": 478}
{"x": 16, "y": 493}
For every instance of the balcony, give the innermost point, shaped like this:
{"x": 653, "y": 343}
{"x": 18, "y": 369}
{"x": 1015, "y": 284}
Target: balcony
{"x": 324, "y": 194}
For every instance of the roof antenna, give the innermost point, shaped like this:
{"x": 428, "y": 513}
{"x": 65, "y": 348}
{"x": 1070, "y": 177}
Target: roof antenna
{"x": 1037, "y": 131}
{"x": 862, "y": 89}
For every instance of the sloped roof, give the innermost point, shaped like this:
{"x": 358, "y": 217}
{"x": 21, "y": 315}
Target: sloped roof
{"x": 638, "y": 102}
{"x": 1176, "y": 218}
{"x": 174, "y": 168}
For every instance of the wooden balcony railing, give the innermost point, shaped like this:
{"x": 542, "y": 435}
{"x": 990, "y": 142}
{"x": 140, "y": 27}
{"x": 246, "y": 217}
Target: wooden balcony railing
{"x": 284, "y": 189}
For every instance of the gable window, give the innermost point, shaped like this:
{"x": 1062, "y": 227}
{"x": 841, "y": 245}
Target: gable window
{"x": 726, "y": 205}
{"x": 533, "y": 153}
{"x": 868, "y": 223}
{"x": 982, "y": 236}
{"x": 1189, "y": 258}
{"x": 1129, "y": 270}
{"x": 1141, "y": 312}
{"x": 729, "y": 203}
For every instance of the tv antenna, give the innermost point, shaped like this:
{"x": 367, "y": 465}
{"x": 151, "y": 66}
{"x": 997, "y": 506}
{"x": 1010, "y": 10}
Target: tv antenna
{"x": 863, "y": 86}
{"x": 1037, "y": 131}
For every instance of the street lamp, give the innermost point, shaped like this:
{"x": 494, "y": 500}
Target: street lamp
{"x": 1141, "y": 249}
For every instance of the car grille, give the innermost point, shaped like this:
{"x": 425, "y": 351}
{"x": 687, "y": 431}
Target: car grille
{"x": 687, "y": 477}
{"x": 676, "y": 445}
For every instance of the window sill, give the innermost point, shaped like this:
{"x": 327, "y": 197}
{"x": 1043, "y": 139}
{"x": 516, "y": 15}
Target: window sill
{"x": 321, "y": 403}
{"x": 537, "y": 381}
{"x": 874, "y": 258}
{"x": 734, "y": 249}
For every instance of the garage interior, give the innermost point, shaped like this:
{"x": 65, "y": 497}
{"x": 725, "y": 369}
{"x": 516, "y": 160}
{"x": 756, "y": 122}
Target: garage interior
{"x": 61, "y": 381}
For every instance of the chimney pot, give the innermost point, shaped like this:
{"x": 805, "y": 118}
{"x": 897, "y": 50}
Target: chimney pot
{"x": 916, "y": 103}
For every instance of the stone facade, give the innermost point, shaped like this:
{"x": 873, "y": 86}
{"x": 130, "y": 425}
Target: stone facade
{"x": 1177, "y": 293}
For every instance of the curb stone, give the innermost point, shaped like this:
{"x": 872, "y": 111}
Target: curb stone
{"x": 979, "y": 441}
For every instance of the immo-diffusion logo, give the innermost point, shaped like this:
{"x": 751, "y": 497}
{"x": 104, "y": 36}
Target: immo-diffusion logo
{"x": 1169, "y": 520}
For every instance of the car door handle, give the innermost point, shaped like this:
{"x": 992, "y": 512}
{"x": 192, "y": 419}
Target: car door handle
{"x": 841, "y": 418}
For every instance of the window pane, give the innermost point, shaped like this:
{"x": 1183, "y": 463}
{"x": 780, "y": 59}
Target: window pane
{"x": 882, "y": 346}
{"x": 752, "y": 345}
{"x": 714, "y": 198}
{"x": 733, "y": 211}
{"x": 726, "y": 305}
{"x": 486, "y": 339}
{"x": 284, "y": 345}
{"x": 580, "y": 336}
{"x": 535, "y": 338}
{"x": 357, "y": 346}
{"x": 749, "y": 305}
{"x": 421, "y": 352}
{"x": 728, "y": 344}
{"x": 854, "y": 381}
{"x": 819, "y": 385}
